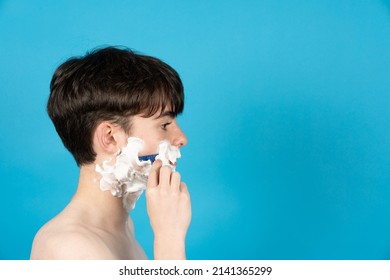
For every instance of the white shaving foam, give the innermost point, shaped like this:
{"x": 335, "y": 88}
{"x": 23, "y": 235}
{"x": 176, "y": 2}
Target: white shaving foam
{"x": 128, "y": 176}
{"x": 168, "y": 154}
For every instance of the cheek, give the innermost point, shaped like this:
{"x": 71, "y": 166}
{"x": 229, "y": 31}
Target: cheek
{"x": 150, "y": 148}
{"x": 122, "y": 140}
{"x": 152, "y": 138}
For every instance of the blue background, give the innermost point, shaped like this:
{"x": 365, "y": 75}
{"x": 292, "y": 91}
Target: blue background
{"x": 287, "y": 115}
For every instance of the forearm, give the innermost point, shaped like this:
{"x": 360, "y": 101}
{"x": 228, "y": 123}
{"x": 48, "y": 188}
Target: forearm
{"x": 169, "y": 247}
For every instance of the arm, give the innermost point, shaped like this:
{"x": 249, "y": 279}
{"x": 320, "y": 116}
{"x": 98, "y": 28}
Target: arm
{"x": 169, "y": 210}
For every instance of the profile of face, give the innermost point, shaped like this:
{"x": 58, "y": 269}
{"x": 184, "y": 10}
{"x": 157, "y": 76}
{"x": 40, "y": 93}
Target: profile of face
{"x": 124, "y": 175}
{"x": 155, "y": 129}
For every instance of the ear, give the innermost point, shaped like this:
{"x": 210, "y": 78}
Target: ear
{"x": 109, "y": 137}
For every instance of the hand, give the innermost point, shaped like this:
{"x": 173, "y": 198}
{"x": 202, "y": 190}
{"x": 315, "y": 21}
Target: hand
{"x": 169, "y": 210}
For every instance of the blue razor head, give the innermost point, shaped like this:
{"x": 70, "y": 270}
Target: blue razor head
{"x": 152, "y": 158}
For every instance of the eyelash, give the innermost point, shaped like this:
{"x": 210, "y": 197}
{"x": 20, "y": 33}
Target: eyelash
{"x": 164, "y": 126}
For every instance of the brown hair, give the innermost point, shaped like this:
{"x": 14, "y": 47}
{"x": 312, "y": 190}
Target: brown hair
{"x": 108, "y": 84}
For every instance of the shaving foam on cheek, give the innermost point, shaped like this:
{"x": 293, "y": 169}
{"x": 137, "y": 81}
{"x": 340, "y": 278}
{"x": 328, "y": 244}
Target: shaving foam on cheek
{"x": 127, "y": 178}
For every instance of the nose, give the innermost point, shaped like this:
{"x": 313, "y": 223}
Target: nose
{"x": 177, "y": 137}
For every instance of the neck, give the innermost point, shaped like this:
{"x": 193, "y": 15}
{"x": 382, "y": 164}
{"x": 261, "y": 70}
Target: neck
{"x": 101, "y": 207}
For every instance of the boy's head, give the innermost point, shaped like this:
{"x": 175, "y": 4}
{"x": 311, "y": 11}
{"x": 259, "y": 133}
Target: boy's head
{"x": 110, "y": 85}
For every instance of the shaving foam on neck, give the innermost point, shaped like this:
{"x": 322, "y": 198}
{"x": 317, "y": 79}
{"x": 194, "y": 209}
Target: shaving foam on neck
{"x": 128, "y": 176}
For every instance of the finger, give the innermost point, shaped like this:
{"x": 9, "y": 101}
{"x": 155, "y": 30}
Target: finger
{"x": 183, "y": 188}
{"x": 175, "y": 181}
{"x": 165, "y": 176}
{"x": 154, "y": 174}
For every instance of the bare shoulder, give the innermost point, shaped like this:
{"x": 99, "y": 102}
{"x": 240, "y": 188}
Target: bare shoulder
{"x": 67, "y": 240}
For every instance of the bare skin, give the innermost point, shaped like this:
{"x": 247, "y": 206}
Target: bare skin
{"x": 95, "y": 225}
{"x": 169, "y": 209}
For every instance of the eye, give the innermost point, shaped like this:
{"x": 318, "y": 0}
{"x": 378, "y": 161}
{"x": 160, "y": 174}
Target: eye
{"x": 165, "y": 125}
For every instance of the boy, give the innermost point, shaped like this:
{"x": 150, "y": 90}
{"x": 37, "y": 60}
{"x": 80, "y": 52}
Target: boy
{"x": 99, "y": 104}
